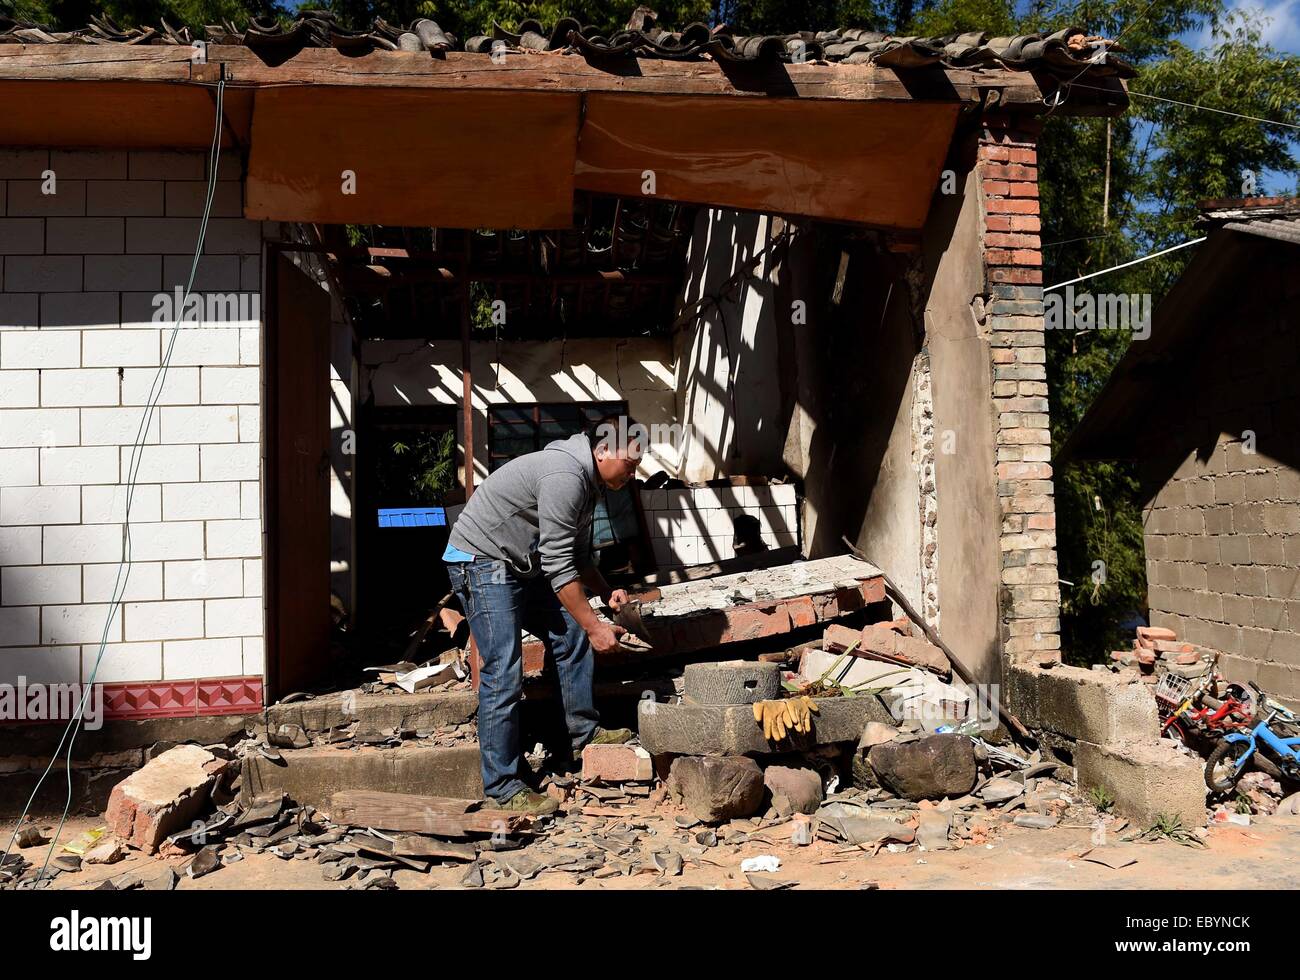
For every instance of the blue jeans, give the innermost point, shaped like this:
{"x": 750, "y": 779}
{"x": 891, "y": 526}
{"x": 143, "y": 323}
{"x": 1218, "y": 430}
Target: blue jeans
{"x": 498, "y": 605}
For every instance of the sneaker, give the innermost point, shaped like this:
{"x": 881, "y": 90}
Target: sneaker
{"x": 611, "y": 736}
{"x": 526, "y": 801}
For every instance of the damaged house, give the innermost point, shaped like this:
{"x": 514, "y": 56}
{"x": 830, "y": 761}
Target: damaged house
{"x": 1220, "y": 474}
{"x": 810, "y": 265}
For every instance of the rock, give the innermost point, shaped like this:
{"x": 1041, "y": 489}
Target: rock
{"x": 205, "y": 862}
{"x": 67, "y": 862}
{"x": 30, "y": 836}
{"x": 1035, "y": 821}
{"x": 932, "y": 829}
{"x": 617, "y": 763}
{"x": 717, "y": 788}
{"x": 289, "y": 737}
{"x": 999, "y": 789}
{"x": 927, "y": 769}
{"x": 801, "y": 832}
{"x": 165, "y": 882}
{"x": 800, "y": 788}
{"x": 731, "y": 682}
{"x": 106, "y": 852}
{"x": 165, "y": 796}
{"x": 876, "y": 733}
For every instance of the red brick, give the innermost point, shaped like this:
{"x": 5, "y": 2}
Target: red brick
{"x": 1023, "y": 223}
{"x": 995, "y": 153}
{"x": 1019, "y": 256}
{"x": 1024, "y": 471}
{"x": 1021, "y": 154}
{"x": 617, "y": 763}
{"x": 996, "y": 222}
{"x": 1006, "y": 240}
{"x": 1024, "y": 189}
{"x": 1008, "y": 205}
{"x": 1156, "y": 633}
{"x": 880, "y": 642}
{"x": 801, "y": 612}
{"x": 997, "y": 188}
{"x": 1012, "y": 171}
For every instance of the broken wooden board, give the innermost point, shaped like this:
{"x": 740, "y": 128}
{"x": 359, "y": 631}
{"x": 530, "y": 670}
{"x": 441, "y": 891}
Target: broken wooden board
{"x": 437, "y": 815}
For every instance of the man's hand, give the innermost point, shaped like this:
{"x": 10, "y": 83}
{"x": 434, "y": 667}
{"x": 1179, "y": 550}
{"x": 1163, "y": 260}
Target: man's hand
{"x": 618, "y": 599}
{"x": 604, "y": 636}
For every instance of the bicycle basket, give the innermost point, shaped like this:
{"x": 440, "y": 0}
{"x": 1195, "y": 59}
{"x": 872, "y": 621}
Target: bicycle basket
{"x": 1172, "y": 690}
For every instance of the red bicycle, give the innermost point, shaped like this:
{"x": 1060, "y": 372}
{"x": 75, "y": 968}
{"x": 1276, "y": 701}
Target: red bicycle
{"x": 1189, "y": 711}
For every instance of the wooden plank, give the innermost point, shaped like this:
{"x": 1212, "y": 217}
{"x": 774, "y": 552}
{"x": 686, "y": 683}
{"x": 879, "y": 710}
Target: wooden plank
{"x": 490, "y": 159}
{"x": 298, "y": 480}
{"x": 459, "y": 70}
{"x": 874, "y": 163}
{"x": 440, "y": 816}
{"x": 121, "y": 115}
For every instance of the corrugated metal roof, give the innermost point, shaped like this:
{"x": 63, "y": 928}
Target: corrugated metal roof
{"x": 1065, "y": 53}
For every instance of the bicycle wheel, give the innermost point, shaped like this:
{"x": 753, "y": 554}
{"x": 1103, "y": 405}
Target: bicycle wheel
{"x": 1221, "y": 772}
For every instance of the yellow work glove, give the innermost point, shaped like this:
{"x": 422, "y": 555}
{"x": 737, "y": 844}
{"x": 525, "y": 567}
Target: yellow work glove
{"x": 779, "y": 718}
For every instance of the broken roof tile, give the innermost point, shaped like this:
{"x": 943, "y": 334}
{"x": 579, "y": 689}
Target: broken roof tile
{"x": 1065, "y": 53}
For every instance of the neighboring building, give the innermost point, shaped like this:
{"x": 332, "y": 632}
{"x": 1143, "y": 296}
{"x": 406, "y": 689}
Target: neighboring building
{"x": 853, "y": 309}
{"x": 1209, "y": 409}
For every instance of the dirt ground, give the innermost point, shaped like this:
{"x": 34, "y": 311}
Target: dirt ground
{"x": 1264, "y": 855}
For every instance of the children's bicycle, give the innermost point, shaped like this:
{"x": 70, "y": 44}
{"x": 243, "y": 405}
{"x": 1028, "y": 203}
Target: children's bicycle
{"x": 1190, "y": 713}
{"x": 1272, "y": 745}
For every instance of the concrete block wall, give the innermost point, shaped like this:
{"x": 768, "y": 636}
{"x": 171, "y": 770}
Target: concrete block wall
{"x": 1029, "y": 597}
{"x": 1222, "y": 558}
{"x": 81, "y": 274}
{"x": 696, "y": 525}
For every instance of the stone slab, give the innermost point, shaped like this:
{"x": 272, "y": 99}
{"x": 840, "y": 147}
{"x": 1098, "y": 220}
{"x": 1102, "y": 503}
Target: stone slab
{"x": 708, "y": 729}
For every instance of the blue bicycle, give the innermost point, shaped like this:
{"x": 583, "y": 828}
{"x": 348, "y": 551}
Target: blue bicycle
{"x": 1272, "y": 745}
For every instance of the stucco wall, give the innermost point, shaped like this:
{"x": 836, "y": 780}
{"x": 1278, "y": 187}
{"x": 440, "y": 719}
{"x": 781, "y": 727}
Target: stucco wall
{"x": 728, "y": 368}
{"x": 961, "y": 377}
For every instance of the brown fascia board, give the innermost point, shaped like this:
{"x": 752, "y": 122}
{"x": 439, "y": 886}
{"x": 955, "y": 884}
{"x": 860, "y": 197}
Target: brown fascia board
{"x": 171, "y": 64}
{"x": 1109, "y": 428}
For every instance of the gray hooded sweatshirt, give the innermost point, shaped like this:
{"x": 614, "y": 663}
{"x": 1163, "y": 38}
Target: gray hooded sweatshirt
{"x": 535, "y": 513}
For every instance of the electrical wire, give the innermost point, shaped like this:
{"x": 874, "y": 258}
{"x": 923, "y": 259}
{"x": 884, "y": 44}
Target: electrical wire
{"x": 74, "y": 725}
{"x": 1204, "y": 108}
{"x": 1125, "y": 265}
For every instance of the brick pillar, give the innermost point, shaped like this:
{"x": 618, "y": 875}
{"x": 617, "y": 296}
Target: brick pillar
{"x": 1029, "y": 597}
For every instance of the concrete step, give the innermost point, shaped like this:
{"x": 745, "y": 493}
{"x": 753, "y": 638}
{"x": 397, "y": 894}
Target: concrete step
{"x": 422, "y": 711}
{"x": 311, "y": 776}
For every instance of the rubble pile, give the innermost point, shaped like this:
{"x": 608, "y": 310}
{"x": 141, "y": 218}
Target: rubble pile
{"x": 1157, "y": 651}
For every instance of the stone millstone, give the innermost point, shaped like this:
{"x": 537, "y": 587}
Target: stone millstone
{"x": 927, "y": 769}
{"x": 732, "y": 682}
{"x": 716, "y": 788}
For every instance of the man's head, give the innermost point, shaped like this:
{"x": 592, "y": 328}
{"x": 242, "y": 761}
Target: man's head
{"x": 617, "y": 443}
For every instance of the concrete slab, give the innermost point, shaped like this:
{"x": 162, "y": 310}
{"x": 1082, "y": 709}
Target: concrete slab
{"x": 718, "y": 729}
{"x": 311, "y": 776}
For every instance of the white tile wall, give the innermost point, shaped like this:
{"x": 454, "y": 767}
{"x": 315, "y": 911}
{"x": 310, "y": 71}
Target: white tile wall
{"x": 80, "y": 276}
{"x": 695, "y": 526}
